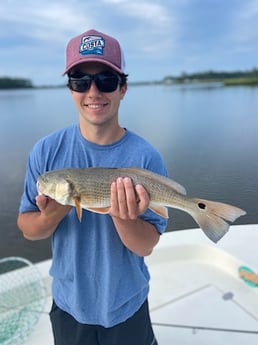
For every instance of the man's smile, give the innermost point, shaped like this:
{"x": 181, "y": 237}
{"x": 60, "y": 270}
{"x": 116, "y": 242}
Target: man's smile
{"x": 96, "y": 106}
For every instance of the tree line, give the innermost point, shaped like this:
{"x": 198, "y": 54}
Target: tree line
{"x": 229, "y": 78}
{"x": 15, "y": 83}
{"x": 212, "y": 76}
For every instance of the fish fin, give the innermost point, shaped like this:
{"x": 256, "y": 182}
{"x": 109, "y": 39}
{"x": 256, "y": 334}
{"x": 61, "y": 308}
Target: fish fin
{"x": 159, "y": 178}
{"x": 77, "y": 202}
{"x": 176, "y": 186}
{"x": 160, "y": 210}
{"x": 212, "y": 217}
{"x": 101, "y": 210}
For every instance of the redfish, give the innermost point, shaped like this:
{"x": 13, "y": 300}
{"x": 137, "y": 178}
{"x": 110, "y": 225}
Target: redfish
{"x": 89, "y": 188}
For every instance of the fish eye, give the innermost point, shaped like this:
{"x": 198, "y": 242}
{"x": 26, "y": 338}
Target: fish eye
{"x": 201, "y": 205}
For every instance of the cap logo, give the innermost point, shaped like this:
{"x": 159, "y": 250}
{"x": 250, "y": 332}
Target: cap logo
{"x": 92, "y": 45}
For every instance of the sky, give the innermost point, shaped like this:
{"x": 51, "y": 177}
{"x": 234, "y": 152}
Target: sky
{"x": 159, "y": 37}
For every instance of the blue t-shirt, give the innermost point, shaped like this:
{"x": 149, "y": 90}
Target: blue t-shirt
{"x": 96, "y": 278}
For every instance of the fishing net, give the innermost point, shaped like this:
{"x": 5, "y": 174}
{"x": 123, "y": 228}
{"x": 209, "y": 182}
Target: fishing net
{"x": 22, "y": 299}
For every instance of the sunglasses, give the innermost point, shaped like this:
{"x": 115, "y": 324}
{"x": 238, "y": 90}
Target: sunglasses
{"x": 105, "y": 81}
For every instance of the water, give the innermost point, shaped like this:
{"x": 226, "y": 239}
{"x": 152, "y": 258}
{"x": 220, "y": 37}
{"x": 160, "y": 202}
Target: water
{"x": 208, "y": 137}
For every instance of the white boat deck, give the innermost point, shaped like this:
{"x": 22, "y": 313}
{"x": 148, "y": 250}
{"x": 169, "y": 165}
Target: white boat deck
{"x": 197, "y": 295}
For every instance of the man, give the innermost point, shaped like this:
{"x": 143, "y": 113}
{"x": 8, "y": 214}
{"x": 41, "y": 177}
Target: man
{"x": 100, "y": 281}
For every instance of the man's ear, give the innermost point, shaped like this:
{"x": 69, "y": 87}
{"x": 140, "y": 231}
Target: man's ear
{"x": 123, "y": 90}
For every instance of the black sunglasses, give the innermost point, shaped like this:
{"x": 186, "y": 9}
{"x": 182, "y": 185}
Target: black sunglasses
{"x": 105, "y": 81}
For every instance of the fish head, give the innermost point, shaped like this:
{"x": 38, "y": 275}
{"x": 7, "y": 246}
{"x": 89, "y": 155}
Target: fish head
{"x": 55, "y": 186}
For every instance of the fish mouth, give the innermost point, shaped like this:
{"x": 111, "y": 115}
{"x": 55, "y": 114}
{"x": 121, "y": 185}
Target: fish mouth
{"x": 39, "y": 188}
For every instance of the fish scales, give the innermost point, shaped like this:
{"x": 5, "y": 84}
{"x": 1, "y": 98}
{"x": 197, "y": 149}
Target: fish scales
{"x": 95, "y": 183}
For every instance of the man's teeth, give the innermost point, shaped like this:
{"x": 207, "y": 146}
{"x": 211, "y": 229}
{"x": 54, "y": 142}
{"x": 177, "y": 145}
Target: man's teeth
{"x": 95, "y": 106}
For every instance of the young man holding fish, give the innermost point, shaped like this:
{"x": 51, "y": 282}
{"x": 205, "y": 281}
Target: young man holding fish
{"x": 100, "y": 281}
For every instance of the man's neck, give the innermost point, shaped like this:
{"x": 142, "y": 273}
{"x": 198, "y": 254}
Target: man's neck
{"x": 102, "y": 136}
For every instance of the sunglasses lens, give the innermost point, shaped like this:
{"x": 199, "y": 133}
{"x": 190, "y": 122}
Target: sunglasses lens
{"x": 105, "y": 82}
{"x": 79, "y": 85}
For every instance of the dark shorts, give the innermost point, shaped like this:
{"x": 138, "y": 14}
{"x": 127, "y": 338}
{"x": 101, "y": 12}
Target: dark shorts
{"x": 137, "y": 330}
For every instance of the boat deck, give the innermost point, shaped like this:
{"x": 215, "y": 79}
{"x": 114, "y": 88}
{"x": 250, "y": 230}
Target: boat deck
{"x": 197, "y": 295}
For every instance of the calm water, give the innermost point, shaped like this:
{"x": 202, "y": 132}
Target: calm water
{"x": 207, "y": 136}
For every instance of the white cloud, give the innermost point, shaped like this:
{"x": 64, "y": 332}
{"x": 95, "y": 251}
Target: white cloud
{"x": 151, "y": 27}
{"x": 57, "y": 21}
{"x": 48, "y": 20}
{"x": 143, "y": 10}
{"x": 157, "y": 35}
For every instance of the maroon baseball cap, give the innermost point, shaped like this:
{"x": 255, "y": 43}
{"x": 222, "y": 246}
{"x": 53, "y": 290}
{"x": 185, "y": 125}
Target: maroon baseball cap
{"x": 94, "y": 46}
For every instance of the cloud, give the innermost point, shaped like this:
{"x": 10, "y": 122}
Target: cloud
{"x": 161, "y": 36}
{"x": 144, "y": 10}
{"x": 47, "y": 21}
{"x": 150, "y": 26}
{"x": 244, "y": 26}
{"x": 55, "y": 22}
{"x": 36, "y": 34}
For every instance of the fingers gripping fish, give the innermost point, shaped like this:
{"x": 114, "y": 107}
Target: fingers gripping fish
{"x": 89, "y": 188}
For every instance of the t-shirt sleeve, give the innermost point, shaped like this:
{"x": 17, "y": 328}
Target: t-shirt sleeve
{"x": 27, "y": 202}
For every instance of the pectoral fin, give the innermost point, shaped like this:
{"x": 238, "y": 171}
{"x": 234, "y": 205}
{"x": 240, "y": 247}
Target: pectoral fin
{"x": 77, "y": 202}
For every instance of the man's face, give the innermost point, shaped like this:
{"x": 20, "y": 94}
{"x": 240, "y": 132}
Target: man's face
{"x": 95, "y": 107}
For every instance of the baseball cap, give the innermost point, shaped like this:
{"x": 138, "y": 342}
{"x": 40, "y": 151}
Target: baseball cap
{"x": 94, "y": 46}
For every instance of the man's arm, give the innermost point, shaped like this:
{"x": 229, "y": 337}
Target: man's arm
{"x": 41, "y": 224}
{"x": 127, "y": 203}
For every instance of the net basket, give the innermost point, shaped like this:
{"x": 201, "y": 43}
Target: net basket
{"x": 22, "y": 299}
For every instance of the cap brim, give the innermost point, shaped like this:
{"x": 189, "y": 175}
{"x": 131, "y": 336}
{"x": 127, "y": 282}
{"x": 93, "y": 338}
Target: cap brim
{"x": 95, "y": 59}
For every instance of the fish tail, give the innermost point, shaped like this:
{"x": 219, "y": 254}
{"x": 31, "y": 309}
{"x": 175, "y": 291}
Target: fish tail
{"x": 212, "y": 217}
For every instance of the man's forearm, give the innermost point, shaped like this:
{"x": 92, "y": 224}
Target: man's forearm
{"x": 41, "y": 224}
{"x": 34, "y": 226}
{"x": 137, "y": 235}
